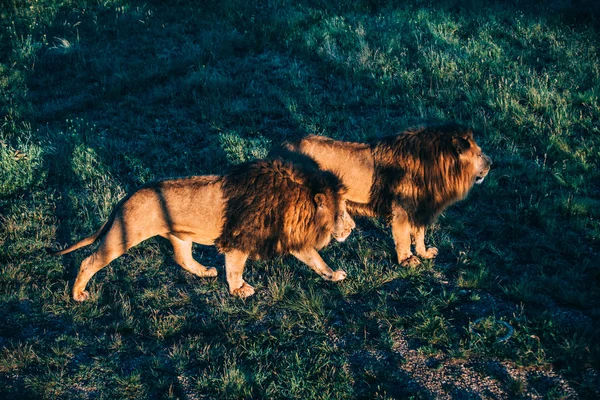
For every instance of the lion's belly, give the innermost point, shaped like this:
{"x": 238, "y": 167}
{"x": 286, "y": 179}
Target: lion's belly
{"x": 201, "y": 220}
{"x": 206, "y": 239}
{"x": 191, "y": 236}
{"x": 201, "y": 229}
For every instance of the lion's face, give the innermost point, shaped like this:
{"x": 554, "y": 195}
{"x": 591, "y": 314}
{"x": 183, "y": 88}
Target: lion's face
{"x": 479, "y": 162}
{"x": 343, "y": 223}
{"x": 334, "y": 217}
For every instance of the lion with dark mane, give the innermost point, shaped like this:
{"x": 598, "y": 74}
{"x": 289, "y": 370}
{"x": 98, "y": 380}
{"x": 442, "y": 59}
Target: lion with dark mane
{"x": 409, "y": 178}
{"x": 260, "y": 209}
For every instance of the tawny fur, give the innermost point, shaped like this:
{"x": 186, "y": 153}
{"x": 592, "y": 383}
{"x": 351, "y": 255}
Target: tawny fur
{"x": 409, "y": 178}
{"x": 259, "y": 209}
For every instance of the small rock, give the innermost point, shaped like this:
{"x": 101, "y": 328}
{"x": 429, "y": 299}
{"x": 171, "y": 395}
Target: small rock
{"x": 432, "y": 362}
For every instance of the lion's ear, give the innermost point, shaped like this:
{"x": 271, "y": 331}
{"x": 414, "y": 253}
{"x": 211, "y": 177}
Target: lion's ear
{"x": 320, "y": 199}
{"x": 460, "y": 144}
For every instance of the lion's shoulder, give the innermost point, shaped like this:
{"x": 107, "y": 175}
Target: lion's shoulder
{"x": 270, "y": 206}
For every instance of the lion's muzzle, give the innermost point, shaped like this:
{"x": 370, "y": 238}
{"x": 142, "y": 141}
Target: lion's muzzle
{"x": 485, "y": 168}
{"x": 344, "y": 224}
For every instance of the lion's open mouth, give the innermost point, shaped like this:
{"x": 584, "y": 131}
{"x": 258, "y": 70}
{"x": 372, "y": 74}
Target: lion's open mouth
{"x": 479, "y": 179}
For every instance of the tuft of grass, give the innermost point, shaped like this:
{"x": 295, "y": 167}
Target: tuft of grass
{"x": 21, "y": 165}
{"x": 17, "y": 357}
{"x": 240, "y": 150}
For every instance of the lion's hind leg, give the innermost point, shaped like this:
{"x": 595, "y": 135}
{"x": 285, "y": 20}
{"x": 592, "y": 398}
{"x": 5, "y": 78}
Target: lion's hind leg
{"x": 117, "y": 240}
{"x": 88, "y": 268}
{"x": 92, "y": 264}
{"x": 183, "y": 256}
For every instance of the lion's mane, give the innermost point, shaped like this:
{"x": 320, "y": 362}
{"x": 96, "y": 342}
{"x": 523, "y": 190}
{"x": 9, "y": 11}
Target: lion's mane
{"x": 421, "y": 170}
{"x": 271, "y": 208}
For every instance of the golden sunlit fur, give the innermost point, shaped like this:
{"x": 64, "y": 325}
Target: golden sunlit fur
{"x": 409, "y": 178}
{"x": 306, "y": 206}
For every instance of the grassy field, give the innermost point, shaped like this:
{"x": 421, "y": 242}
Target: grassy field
{"x": 99, "y": 97}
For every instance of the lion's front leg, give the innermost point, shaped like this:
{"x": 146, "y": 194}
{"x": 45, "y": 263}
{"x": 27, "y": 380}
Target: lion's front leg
{"x": 312, "y": 258}
{"x": 418, "y": 234}
{"x": 401, "y": 229}
{"x": 235, "y": 261}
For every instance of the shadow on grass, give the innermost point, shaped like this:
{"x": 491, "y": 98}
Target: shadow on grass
{"x": 126, "y": 72}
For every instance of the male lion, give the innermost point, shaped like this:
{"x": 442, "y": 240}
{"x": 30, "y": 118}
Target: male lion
{"x": 409, "y": 178}
{"x": 259, "y": 209}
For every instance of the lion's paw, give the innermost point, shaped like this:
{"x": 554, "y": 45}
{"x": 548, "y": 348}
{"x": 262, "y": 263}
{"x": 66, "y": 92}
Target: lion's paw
{"x": 81, "y": 296}
{"x": 209, "y": 272}
{"x": 410, "y": 262}
{"x": 431, "y": 252}
{"x": 243, "y": 292}
{"x": 338, "y": 275}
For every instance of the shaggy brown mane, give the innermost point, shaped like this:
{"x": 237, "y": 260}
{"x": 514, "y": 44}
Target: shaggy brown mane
{"x": 419, "y": 169}
{"x": 271, "y": 208}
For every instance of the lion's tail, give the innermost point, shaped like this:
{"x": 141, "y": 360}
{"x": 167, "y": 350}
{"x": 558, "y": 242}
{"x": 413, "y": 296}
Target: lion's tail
{"x": 82, "y": 243}
{"x": 94, "y": 236}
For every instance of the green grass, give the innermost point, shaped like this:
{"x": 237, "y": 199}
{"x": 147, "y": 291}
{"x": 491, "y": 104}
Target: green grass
{"x": 99, "y": 97}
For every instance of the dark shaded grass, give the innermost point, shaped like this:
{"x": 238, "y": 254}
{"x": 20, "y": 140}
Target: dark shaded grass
{"x": 99, "y": 98}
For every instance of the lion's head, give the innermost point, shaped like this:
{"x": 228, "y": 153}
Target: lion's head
{"x": 328, "y": 210}
{"x": 473, "y": 161}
